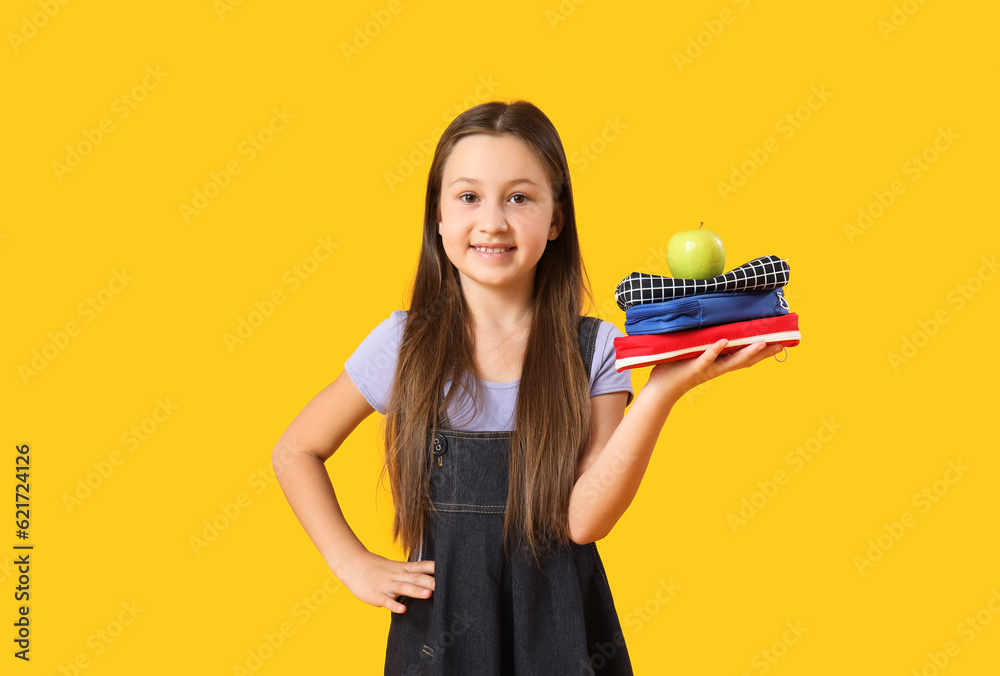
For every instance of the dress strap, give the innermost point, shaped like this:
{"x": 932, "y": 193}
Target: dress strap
{"x": 587, "y": 334}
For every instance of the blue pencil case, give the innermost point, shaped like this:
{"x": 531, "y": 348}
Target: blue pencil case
{"x": 708, "y": 309}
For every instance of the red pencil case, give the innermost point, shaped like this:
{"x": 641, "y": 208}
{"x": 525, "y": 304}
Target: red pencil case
{"x": 647, "y": 350}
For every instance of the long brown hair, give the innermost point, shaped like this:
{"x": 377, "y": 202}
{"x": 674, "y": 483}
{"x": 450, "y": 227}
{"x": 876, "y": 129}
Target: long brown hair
{"x": 552, "y": 418}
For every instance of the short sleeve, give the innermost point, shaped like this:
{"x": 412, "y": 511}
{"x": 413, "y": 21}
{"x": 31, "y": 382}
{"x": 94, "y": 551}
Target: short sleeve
{"x": 372, "y": 365}
{"x": 604, "y": 377}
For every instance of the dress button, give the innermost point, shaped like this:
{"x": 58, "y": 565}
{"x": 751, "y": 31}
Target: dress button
{"x": 439, "y": 445}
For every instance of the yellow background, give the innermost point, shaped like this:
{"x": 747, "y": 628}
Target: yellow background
{"x": 662, "y": 133}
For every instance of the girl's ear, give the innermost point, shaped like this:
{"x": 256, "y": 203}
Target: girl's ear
{"x": 557, "y": 222}
{"x": 438, "y": 218}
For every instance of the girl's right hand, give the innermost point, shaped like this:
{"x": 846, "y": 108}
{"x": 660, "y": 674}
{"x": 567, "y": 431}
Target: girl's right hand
{"x": 675, "y": 378}
{"x": 377, "y": 580}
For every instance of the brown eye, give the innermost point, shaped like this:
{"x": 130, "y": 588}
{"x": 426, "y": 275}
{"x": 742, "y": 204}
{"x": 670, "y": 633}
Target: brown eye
{"x": 523, "y": 200}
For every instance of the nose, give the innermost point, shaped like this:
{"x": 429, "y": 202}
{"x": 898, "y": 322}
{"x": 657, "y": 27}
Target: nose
{"x": 491, "y": 218}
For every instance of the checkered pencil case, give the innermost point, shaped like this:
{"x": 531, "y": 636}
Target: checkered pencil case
{"x": 760, "y": 274}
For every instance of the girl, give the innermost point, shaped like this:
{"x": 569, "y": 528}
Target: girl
{"x": 507, "y": 447}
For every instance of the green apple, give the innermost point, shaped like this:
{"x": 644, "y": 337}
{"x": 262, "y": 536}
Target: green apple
{"x": 696, "y": 254}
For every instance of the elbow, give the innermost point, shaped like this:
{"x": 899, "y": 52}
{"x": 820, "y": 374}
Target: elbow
{"x": 283, "y": 454}
{"x": 583, "y": 533}
{"x": 583, "y": 537}
{"x": 278, "y": 460}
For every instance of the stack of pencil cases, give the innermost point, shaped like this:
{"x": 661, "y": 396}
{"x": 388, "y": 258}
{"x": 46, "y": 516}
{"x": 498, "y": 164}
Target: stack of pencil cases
{"x": 667, "y": 319}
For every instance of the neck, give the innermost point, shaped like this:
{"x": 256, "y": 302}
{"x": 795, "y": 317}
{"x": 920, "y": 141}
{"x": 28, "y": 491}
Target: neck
{"x": 499, "y": 309}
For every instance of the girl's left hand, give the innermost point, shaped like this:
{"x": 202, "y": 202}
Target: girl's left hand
{"x": 673, "y": 379}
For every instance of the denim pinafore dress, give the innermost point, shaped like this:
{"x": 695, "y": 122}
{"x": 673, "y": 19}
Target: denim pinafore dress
{"x": 487, "y": 616}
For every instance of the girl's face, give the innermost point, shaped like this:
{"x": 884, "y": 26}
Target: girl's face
{"x": 496, "y": 211}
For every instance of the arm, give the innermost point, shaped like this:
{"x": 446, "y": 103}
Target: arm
{"x": 299, "y": 464}
{"x": 612, "y": 469}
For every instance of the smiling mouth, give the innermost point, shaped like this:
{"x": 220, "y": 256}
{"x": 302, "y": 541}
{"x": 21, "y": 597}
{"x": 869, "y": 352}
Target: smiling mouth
{"x": 499, "y": 249}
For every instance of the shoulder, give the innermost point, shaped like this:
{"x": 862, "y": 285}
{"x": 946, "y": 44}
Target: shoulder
{"x": 604, "y": 377}
{"x": 395, "y": 321}
{"x": 607, "y": 330}
{"x": 372, "y": 365}
{"x": 391, "y": 326}
{"x": 386, "y": 333}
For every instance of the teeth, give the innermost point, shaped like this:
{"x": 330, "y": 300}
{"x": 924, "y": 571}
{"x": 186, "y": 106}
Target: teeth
{"x": 485, "y": 250}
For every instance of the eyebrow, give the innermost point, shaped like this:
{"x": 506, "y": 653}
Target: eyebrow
{"x": 511, "y": 182}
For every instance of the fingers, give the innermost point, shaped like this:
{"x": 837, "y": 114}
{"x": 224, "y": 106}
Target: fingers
{"x": 706, "y": 358}
{"x": 763, "y": 353}
{"x": 750, "y": 355}
{"x": 413, "y": 590}
{"x": 768, "y": 352}
{"x": 386, "y": 581}
{"x": 749, "y": 352}
{"x": 415, "y": 583}
{"x": 413, "y": 586}
{"x": 716, "y": 348}
{"x": 393, "y": 605}
{"x": 419, "y": 567}
{"x": 413, "y": 579}
{"x": 419, "y": 573}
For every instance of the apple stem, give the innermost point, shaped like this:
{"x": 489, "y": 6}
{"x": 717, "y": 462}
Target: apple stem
{"x": 702, "y": 223}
